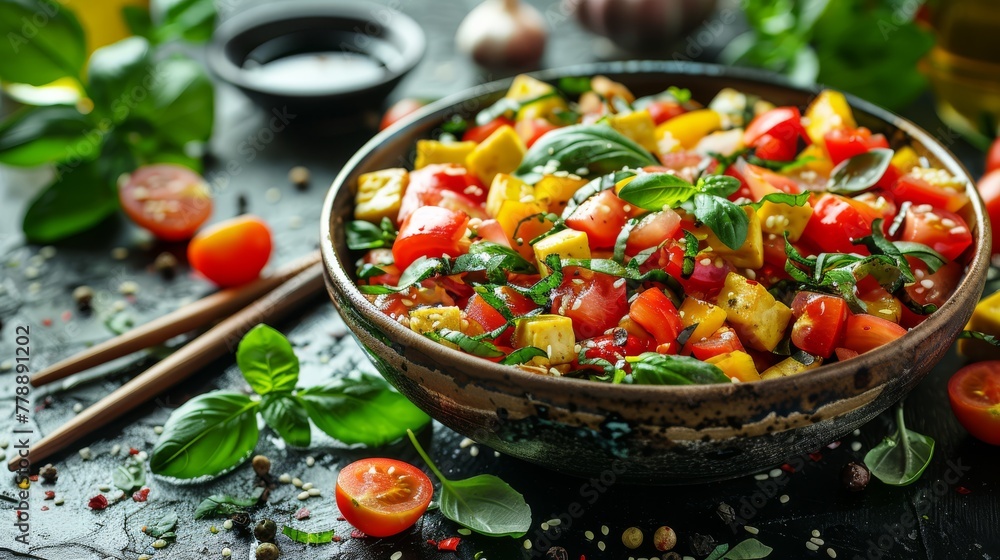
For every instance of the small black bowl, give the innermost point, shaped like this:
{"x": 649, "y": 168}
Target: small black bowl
{"x": 317, "y": 58}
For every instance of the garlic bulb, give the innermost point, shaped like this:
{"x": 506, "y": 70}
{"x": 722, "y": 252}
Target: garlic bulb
{"x": 644, "y": 25}
{"x": 503, "y": 33}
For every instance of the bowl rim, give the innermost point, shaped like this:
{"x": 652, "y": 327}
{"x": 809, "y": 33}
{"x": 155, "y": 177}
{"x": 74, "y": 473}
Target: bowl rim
{"x": 413, "y": 46}
{"x": 818, "y": 380}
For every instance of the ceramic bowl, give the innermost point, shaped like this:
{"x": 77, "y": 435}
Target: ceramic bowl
{"x": 644, "y": 434}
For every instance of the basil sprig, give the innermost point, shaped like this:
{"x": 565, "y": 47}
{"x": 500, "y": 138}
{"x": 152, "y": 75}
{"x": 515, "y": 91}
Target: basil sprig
{"x": 859, "y": 173}
{"x": 651, "y": 368}
{"x": 781, "y": 198}
{"x": 366, "y": 235}
{"x": 706, "y": 201}
{"x": 215, "y": 432}
{"x": 596, "y": 148}
{"x": 484, "y": 503}
{"x": 900, "y": 459}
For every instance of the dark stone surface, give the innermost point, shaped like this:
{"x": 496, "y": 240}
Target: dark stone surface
{"x": 939, "y": 517}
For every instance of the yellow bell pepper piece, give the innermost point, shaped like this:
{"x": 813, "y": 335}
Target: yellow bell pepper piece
{"x": 708, "y": 317}
{"x": 379, "y": 194}
{"x": 736, "y": 365}
{"x": 501, "y": 152}
{"x": 688, "y": 128}
{"x": 551, "y": 333}
{"x": 750, "y": 254}
{"x": 758, "y": 319}
{"x": 432, "y": 151}
{"x": 790, "y": 366}
{"x": 637, "y": 126}
{"x": 985, "y": 319}
{"x": 827, "y": 112}
{"x": 777, "y": 218}
{"x": 905, "y": 159}
{"x": 557, "y": 190}
{"x": 568, "y": 244}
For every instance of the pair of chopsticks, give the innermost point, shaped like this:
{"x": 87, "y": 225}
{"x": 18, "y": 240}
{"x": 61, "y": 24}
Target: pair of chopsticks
{"x": 270, "y": 298}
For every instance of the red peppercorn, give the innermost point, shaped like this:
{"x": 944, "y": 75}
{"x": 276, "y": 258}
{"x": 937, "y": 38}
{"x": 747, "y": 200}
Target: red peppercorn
{"x": 133, "y": 451}
{"x": 98, "y": 502}
{"x": 450, "y": 544}
{"x": 963, "y": 490}
{"x": 50, "y": 494}
{"x": 355, "y": 534}
{"x": 142, "y": 495}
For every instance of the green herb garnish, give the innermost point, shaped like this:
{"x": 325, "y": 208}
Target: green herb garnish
{"x": 900, "y": 459}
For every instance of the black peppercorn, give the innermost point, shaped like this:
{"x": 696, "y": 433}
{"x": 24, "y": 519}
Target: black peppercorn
{"x": 267, "y": 551}
{"x": 49, "y": 474}
{"x": 265, "y": 530}
{"x": 702, "y": 545}
{"x": 855, "y": 476}
{"x": 241, "y": 521}
{"x": 556, "y": 553}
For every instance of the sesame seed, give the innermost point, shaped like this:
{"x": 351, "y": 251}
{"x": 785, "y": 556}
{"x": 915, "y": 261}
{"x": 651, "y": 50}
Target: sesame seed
{"x": 527, "y": 544}
{"x": 605, "y": 530}
{"x": 619, "y": 283}
{"x": 285, "y": 478}
{"x": 958, "y": 230}
{"x": 555, "y": 522}
{"x": 856, "y": 446}
{"x": 705, "y": 262}
{"x": 474, "y": 451}
{"x": 226, "y": 552}
{"x": 115, "y": 449}
{"x": 77, "y": 407}
{"x": 601, "y": 546}
{"x": 85, "y": 454}
{"x": 817, "y": 540}
{"x": 159, "y": 543}
{"x": 119, "y": 253}
{"x": 927, "y": 283}
{"x": 396, "y": 555}
{"x": 465, "y": 443}
{"x": 589, "y": 535}
{"x": 303, "y": 496}
{"x": 227, "y": 524}
{"x": 313, "y": 492}
{"x": 157, "y": 430}
{"x": 309, "y": 485}
{"x": 751, "y": 530}
{"x": 775, "y": 473}
{"x": 59, "y": 501}
{"x": 297, "y": 482}
{"x": 811, "y": 546}
{"x": 272, "y": 195}
{"x": 784, "y": 498}
{"x": 948, "y": 222}
{"x": 831, "y": 553}
{"x": 815, "y": 532}
{"x": 761, "y": 476}
{"x": 885, "y": 311}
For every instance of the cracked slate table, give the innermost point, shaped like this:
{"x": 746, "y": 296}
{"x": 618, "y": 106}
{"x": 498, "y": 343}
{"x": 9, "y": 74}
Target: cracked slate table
{"x": 953, "y": 511}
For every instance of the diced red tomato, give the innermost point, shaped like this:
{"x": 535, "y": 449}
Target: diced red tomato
{"x": 684, "y": 163}
{"x": 654, "y": 229}
{"x": 430, "y": 231}
{"x": 721, "y": 342}
{"x": 382, "y": 258}
{"x": 930, "y": 288}
{"x": 594, "y": 301}
{"x": 836, "y": 220}
{"x": 602, "y": 217}
{"x": 744, "y": 191}
{"x": 867, "y": 332}
{"x": 920, "y": 191}
{"x": 819, "y": 322}
{"x": 989, "y": 189}
{"x": 663, "y": 110}
{"x": 530, "y": 130}
{"x": 945, "y": 232}
{"x": 775, "y": 134}
{"x": 844, "y": 143}
{"x": 704, "y": 283}
{"x": 483, "y": 313}
{"x": 974, "y": 393}
{"x": 449, "y": 545}
{"x": 881, "y": 201}
{"x": 845, "y": 354}
{"x": 762, "y": 182}
{"x": 482, "y": 132}
{"x": 654, "y": 311}
{"x": 615, "y": 346}
{"x": 429, "y": 184}
{"x": 491, "y": 230}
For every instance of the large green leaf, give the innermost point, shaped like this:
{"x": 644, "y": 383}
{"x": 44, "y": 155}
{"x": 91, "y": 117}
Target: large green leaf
{"x": 190, "y": 20}
{"x": 208, "y": 435}
{"x": 364, "y": 410}
{"x": 41, "y": 42}
{"x": 79, "y": 199}
{"x": 121, "y": 77}
{"x": 267, "y": 360}
{"x": 588, "y": 149}
{"x": 181, "y": 107}
{"x": 286, "y": 415}
{"x": 40, "y": 135}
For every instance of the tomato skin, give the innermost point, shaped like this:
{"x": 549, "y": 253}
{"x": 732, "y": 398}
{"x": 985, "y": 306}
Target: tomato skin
{"x": 721, "y": 342}
{"x": 430, "y": 231}
{"x": 974, "y": 393}
{"x": 993, "y": 156}
{"x": 381, "y": 503}
{"x": 945, "y": 232}
{"x": 664, "y": 109}
{"x": 989, "y": 189}
{"x": 530, "y": 130}
{"x": 171, "y": 201}
{"x": 614, "y": 347}
{"x": 231, "y": 252}
{"x": 775, "y": 134}
{"x": 399, "y": 110}
{"x": 602, "y": 217}
{"x": 836, "y": 220}
{"x": 482, "y": 132}
{"x": 845, "y": 143}
{"x": 820, "y": 321}
{"x": 762, "y": 182}
{"x": 867, "y": 332}
{"x": 653, "y": 230}
{"x": 654, "y": 311}
{"x": 918, "y": 191}
{"x": 429, "y": 186}
{"x": 595, "y": 305}
{"x": 483, "y": 313}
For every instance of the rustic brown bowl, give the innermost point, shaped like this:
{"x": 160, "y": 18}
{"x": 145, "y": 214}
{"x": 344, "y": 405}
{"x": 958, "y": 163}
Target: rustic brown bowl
{"x": 645, "y": 434}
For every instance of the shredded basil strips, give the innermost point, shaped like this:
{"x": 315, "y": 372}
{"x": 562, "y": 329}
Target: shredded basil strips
{"x": 363, "y": 235}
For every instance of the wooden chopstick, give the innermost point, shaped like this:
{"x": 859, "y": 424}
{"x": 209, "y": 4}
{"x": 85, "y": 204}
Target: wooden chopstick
{"x": 181, "y": 364}
{"x": 189, "y": 317}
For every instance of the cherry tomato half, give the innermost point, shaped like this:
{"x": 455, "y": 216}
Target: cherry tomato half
{"x": 382, "y": 497}
{"x": 989, "y": 189}
{"x": 974, "y": 393}
{"x": 231, "y": 252}
{"x": 169, "y": 200}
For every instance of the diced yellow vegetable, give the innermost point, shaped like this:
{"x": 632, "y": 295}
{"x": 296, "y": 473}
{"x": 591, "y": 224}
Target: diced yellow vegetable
{"x": 708, "y": 317}
{"x": 380, "y": 194}
{"x": 638, "y": 126}
{"x": 985, "y": 319}
{"x": 568, "y": 244}
{"x": 528, "y": 230}
{"x": 827, "y": 112}
{"x": 778, "y": 218}
{"x": 736, "y": 365}
{"x": 513, "y": 212}
{"x": 427, "y": 319}
{"x": 432, "y": 151}
{"x": 525, "y": 87}
{"x": 551, "y": 333}
{"x": 750, "y": 254}
{"x": 542, "y": 108}
{"x": 820, "y": 163}
{"x": 790, "y": 366}
{"x": 758, "y": 319}
{"x": 501, "y": 152}
{"x": 506, "y": 187}
{"x": 689, "y": 128}
{"x": 724, "y": 142}
{"x": 558, "y": 190}
{"x": 905, "y": 159}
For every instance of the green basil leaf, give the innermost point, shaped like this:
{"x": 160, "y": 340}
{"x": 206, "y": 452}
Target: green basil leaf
{"x": 750, "y": 549}
{"x": 877, "y": 244}
{"x": 42, "y": 42}
{"x": 800, "y": 199}
{"x": 496, "y": 260}
{"x": 120, "y": 77}
{"x": 727, "y": 220}
{"x": 221, "y": 505}
{"x": 574, "y": 85}
{"x": 631, "y": 273}
{"x": 364, "y": 410}
{"x": 40, "y": 135}
{"x": 987, "y": 338}
{"x": 286, "y": 415}
{"x": 718, "y": 552}
{"x": 859, "y": 173}
{"x": 368, "y": 271}
{"x": 656, "y": 191}
{"x": 421, "y": 269}
{"x": 621, "y": 242}
{"x": 597, "y": 148}
{"x": 366, "y": 235}
{"x": 650, "y": 368}
{"x": 181, "y": 104}
{"x": 468, "y": 344}
{"x": 523, "y": 355}
{"x": 690, "y": 253}
{"x": 930, "y": 257}
{"x": 307, "y": 538}
{"x": 76, "y": 201}
{"x": 208, "y": 435}
{"x": 130, "y": 476}
{"x": 268, "y": 361}
{"x": 190, "y": 20}
{"x": 718, "y": 185}
{"x": 484, "y": 503}
{"x": 165, "y": 524}
{"x": 539, "y": 291}
{"x": 900, "y": 460}
{"x": 138, "y": 21}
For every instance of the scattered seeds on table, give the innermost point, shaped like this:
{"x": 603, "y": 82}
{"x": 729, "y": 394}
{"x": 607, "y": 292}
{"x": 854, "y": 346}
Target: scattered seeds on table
{"x": 784, "y": 498}
{"x": 141, "y": 456}
{"x": 59, "y": 501}
{"x": 775, "y": 473}
{"x": 31, "y": 273}
{"x": 817, "y": 541}
{"x": 128, "y": 288}
{"x": 261, "y": 465}
{"x": 265, "y": 530}
{"x": 396, "y": 555}
{"x": 632, "y": 538}
{"x": 267, "y": 551}
{"x": 166, "y": 265}
{"x": 303, "y": 496}
{"x": 307, "y": 486}
{"x": 295, "y": 222}
{"x": 811, "y": 546}
{"x": 226, "y": 552}
{"x": 77, "y": 408}
{"x": 605, "y": 530}
{"x": 474, "y": 451}
{"x": 299, "y": 176}
{"x": 313, "y": 492}
{"x": 4, "y": 443}
{"x": 856, "y": 446}
{"x": 589, "y": 535}
{"x": 310, "y": 461}
{"x": 213, "y": 529}
{"x": 726, "y": 513}
{"x": 303, "y": 513}
{"x": 272, "y": 195}
{"x": 527, "y": 544}
{"x": 760, "y": 476}
{"x": 831, "y": 553}
{"x": 297, "y": 482}
{"x": 855, "y": 477}
{"x": 664, "y": 539}
{"x": 751, "y": 530}
{"x": 285, "y": 478}
{"x": 85, "y": 454}
{"x": 159, "y": 543}
{"x": 157, "y": 430}
{"x": 466, "y": 442}
{"x": 672, "y": 556}
{"x": 104, "y": 488}
{"x": 856, "y": 432}
{"x": 601, "y": 546}
{"x": 83, "y": 296}
{"x": 227, "y": 524}
{"x": 47, "y": 252}
{"x": 815, "y": 532}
